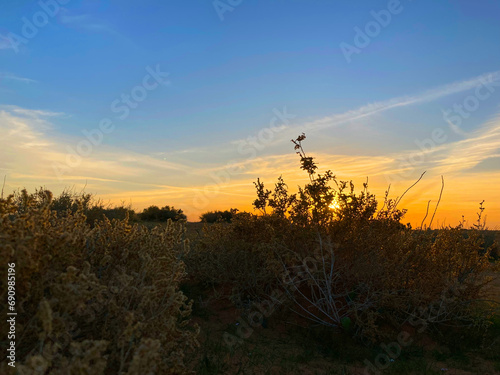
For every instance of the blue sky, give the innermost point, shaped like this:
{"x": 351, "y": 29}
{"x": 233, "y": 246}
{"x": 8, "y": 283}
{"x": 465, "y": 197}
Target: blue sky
{"x": 227, "y": 77}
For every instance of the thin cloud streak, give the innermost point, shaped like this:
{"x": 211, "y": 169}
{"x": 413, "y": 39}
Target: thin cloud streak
{"x": 13, "y": 77}
{"x": 377, "y": 107}
{"x": 372, "y": 109}
{"x": 29, "y": 145}
{"x": 92, "y": 24}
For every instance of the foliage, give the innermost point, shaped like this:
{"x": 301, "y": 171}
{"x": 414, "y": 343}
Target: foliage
{"x": 218, "y": 216}
{"x": 237, "y": 257}
{"x": 69, "y": 202}
{"x": 154, "y": 213}
{"x": 342, "y": 259}
{"x": 95, "y": 300}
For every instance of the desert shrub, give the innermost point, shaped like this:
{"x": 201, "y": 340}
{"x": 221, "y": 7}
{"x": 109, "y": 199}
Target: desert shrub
{"x": 69, "y": 202}
{"x": 216, "y": 216}
{"x": 154, "y": 213}
{"x": 379, "y": 269}
{"x": 344, "y": 261}
{"x": 238, "y": 257}
{"x": 93, "y": 209}
{"x": 492, "y": 240}
{"x": 99, "y": 300}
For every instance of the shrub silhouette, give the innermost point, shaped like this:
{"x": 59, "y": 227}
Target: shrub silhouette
{"x": 154, "y": 213}
{"x": 215, "y": 216}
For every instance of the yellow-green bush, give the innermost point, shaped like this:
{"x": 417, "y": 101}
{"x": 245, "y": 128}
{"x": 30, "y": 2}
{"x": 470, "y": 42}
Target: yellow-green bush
{"x": 99, "y": 300}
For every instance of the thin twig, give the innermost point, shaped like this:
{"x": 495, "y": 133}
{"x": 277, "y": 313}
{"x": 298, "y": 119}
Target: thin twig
{"x": 4, "y": 177}
{"x": 426, "y": 213}
{"x": 385, "y": 199}
{"x": 84, "y": 187}
{"x": 406, "y": 191}
{"x": 439, "y": 200}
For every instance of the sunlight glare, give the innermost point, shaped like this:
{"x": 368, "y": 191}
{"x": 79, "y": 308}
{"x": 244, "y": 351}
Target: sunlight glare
{"x": 334, "y": 205}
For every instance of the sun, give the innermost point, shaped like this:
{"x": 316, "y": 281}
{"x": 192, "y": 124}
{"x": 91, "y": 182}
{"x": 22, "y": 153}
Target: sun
{"x": 334, "y": 205}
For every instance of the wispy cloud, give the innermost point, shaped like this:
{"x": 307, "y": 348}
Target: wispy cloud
{"x": 13, "y": 77}
{"x": 33, "y": 113}
{"x": 92, "y": 24}
{"x": 450, "y": 157}
{"x": 89, "y": 23}
{"x": 378, "y": 107}
{"x": 30, "y": 145}
{"x": 86, "y": 21}
{"x": 479, "y": 146}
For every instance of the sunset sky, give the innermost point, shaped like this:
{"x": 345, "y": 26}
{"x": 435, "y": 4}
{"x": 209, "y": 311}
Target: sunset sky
{"x": 186, "y": 103}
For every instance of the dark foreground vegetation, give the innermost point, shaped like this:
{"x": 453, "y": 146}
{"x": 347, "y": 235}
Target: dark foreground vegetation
{"x": 325, "y": 281}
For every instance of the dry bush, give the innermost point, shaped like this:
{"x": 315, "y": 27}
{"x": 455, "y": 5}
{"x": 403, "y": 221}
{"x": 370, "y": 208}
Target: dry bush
{"x": 380, "y": 270}
{"x": 235, "y": 257}
{"x": 101, "y": 300}
{"x": 376, "y": 278}
{"x": 70, "y": 201}
{"x": 346, "y": 262}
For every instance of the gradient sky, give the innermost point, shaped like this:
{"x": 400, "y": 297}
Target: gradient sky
{"x": 382, "y": 89}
